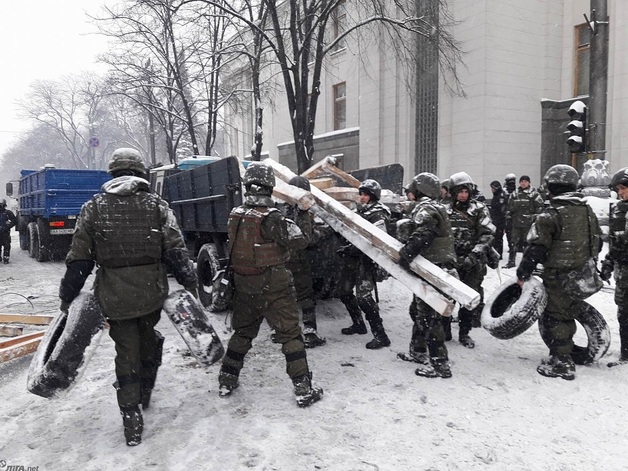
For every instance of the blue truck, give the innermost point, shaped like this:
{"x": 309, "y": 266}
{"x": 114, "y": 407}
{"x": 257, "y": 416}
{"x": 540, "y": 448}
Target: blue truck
{"x": 49, "y": 201}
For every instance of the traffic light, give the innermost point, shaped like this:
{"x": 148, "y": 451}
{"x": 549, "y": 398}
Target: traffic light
{"x": 577, "y": 127}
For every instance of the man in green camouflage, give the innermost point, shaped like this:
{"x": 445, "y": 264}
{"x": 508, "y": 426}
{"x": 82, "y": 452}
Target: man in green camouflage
{"x": 564, "y": 238}
{"x": 617, "y": 259}
{"x": 427, "y": 233}
{"x": 473, "y": 238}
{"x": 523, "y": 205}
{"x": 260, "y": 240}
{"x": 300, "y": 267}
{"x": 133, "y": 237}
{"x": 359, "y": 272}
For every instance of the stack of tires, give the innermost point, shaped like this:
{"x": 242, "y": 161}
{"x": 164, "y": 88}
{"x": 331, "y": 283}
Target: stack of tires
{"x": 511, "y": 310}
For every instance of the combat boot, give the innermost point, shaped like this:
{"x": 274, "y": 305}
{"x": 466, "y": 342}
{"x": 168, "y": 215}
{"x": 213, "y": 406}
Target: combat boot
{"x": 355, "y": 328}
{"x": 623, "y": 352}
{"x": 380, "y": 339}
{"x": 227, "y": 384}
{"x": 5, "y": 260}
{"x": 305, "y": 393}
{"x": 512, "y": 257}
{"x": 425, "y": 368}
{"x": 133, "y": 424}
{"x": 311, "y": 338}
{"x": 442, "y": 367}
{"x": 557, "y": 367}
{"x": 466, "y": 341}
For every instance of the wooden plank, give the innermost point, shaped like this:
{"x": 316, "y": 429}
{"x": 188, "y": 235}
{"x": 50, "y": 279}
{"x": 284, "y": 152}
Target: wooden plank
{"x": 20, "y": 339}
{"x": 25, "y": 319}
{"x": 340, "y": 193}
{"x": 322, "y": 183}
{"x": 423, "y": 290}
{"x": 19, "y": 350}
{"x": 330, "y": 167}
{"x": 10, "y": 331}
{"x": 317, "y": 169}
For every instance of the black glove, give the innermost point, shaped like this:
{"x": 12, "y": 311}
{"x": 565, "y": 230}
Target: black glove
{"x": 65, "y": 307}
{"x": 607, "y": 270}
{"x": 468, "y": 263}
{"x": 348, "y": 250}
{"x": 403, "y": 262}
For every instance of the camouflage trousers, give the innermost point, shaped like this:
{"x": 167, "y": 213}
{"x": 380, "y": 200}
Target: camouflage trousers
{"x": 302, "y": 276}
{"x": 428, "y": 332}
{"x": 559, "y": 316}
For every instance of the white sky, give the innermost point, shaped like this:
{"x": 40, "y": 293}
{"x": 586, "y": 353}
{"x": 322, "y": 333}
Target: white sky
{"x": 42, "y": 39}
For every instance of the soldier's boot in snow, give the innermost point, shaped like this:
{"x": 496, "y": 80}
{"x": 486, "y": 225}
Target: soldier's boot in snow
{"x": 5, "y": 260}
{"x": 358, "y": 326}
{"x": 149, "y": 372}
{"x": 465, "y": 340}
{"x": 512, "y": 257}
{"x": 306, "y": 395}
{"x": 380, "y": 339}
{"x": 557, "y": 367}
{"x": 311, "y": 338}
{"x": 133, "y": 424}
{"x": 623, "y": 355}
{"x": 227, "y": 384}
{"x": 425, "y": 368}
{"x": 412, "y": 356}
{"x": 442, "y": 367}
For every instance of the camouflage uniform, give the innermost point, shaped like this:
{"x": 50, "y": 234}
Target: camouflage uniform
{"x": 133, "y": 237}
{"x": 260, "y": 240}
{"x": 430, "y": 236}
{"x": 522, "y": 206}
{"x": 617, "y": 260}
{"x": 564, "y": 237}
{"x": 358, "y": 272}
{"x": 7, "y": 221}
{"x": 473, "y": 237}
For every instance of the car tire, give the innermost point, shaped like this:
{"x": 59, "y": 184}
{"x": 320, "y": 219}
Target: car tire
{"x": 66, "y": 348}
{"x": 511, "y": 310}
{"x": 597, "y": 330}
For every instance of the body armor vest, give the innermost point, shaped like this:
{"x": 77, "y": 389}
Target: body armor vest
{"x": 127, "y": 229}
{"x": 522, "y": 206}
{"x": 463, "y": 230}
{"x": 441, "y": 250}
{"x": 251, "y": 254}
{"x": 577, "y": 241}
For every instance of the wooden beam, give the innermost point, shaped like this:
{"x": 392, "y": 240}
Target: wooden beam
{"x": 20, "y": 338}
{"x": 375, "y": 243}
{"x": 341, "y": 193}
{"x": 10, "y": 331}
{"x": 28, "y": 345}
{"x": 317, "y": 169}
{"x": 330, "y": 167}
{"x": 322, "y": 183}
{"x": 25, "y": 319}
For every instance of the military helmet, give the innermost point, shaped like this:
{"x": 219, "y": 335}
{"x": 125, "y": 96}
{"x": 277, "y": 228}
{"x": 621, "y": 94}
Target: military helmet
{"x": 425, "y": 183}
{"x": 620, "y": 177}
{"x": 3, "y": 203}
{"x": 260, "y": 174}
{"x": 510, "y": 176}
{"x": 128, "y": 160}
{"x": 446, "y": 184}
{"x": 300, "y": 182}
{"x": 371, "y": 188}
{"x": 460, "y": 180}
{"x": 563, "y": 175}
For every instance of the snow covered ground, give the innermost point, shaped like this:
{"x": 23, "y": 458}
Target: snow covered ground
{"x": 495, "y": 413}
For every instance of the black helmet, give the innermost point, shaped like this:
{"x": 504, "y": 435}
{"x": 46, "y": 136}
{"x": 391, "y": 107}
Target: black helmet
{"x": 371, "y": 188}
{"x": 425, "y": 183}
{"x": 459, "y": 180}
{"x": 300, "y": 182}
{"x": 620, "y": 177}
{"x": 259, "y": 174}
{"x": 126, "y": 161}
{"x": 446, "y": 183}
{"x": 510, "y": 176}
{"x": 563, "y": 175}
{"x": 3, "y": 203}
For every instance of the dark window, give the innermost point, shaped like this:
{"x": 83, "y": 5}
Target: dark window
{"x": 339, "y": 23}
{"x": 340, "y": 106}
{"x": 582, "y": 60}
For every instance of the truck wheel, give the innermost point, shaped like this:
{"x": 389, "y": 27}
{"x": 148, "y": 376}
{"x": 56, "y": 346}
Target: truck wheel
{"x": 33, "y": 240}
{"x": 44, "y": 241}
{"x": 207, "y": 265}
{"x": 25, "y": 239}
{"x": 596, "y": 328}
